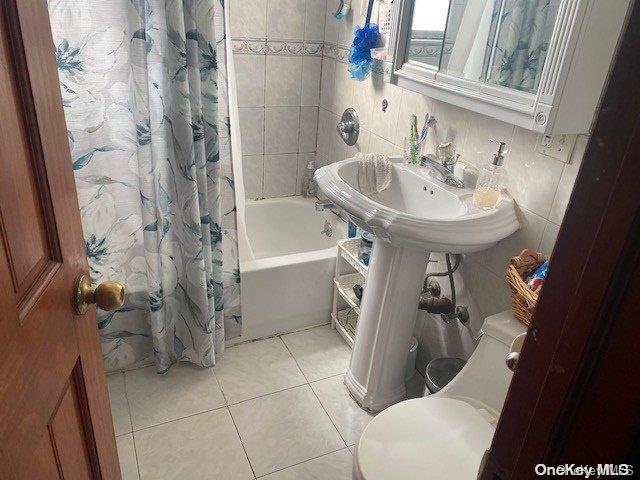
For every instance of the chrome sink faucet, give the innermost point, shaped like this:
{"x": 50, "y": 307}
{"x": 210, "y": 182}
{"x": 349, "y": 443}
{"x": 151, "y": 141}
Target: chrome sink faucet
{"x": 441, "y": 167}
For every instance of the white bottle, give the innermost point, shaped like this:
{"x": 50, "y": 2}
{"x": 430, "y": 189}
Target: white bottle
{"x": 308, "y": 185}
{"x": 490, "y": 181}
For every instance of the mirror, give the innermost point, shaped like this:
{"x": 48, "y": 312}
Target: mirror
{"x": 427, "y": 31}
{"x": 499, "y": 42}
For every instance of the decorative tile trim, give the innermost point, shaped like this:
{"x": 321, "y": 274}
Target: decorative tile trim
{"x": 285, "y": 47}
{"x": 339, "y": 53}
{"x": 336, "y": 52}
{"x": 253, "y": 46}
{"x": 314, "y": 48}
{"x": 249, "y": 46}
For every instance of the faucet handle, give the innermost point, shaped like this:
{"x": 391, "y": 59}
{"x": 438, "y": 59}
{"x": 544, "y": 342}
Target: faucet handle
{"x": 446, "y": 153}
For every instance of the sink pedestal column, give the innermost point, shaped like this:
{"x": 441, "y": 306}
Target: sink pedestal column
{"x": 375, "y": 377}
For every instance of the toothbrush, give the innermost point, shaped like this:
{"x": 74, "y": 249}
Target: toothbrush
{"x": 425, "y": 129}
{"x": 429, "y": 121}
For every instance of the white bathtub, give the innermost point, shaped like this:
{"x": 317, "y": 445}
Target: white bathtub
{"x": 287, "y": 271}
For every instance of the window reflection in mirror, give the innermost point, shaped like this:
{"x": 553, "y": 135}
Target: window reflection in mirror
{"x": 427, "y": 31}
{"x": 499, "y": 42}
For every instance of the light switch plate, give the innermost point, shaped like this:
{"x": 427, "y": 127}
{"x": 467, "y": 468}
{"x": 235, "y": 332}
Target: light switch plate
{"x": 556, "y": 146}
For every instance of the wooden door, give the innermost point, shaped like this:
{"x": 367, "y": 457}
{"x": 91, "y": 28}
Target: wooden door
{"x": 55, "y": 420}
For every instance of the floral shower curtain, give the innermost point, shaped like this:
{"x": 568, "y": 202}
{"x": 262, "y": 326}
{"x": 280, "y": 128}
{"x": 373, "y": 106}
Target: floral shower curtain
{"x": 144, "y": 89}
{"x": 522, "y": 43}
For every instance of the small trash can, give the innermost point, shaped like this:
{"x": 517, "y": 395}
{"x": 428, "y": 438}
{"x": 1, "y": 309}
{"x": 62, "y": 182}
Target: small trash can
{"x": 441, "y": 371}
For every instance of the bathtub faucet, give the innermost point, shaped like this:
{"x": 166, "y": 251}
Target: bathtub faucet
{"x": 323, "y": 205}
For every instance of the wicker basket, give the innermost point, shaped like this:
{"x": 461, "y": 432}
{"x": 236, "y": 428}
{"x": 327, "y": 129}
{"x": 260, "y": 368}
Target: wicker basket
{"x": 523, "y": 299}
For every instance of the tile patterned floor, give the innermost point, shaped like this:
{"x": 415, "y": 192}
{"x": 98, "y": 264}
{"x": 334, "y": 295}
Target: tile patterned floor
{"x": 273, "y": 409}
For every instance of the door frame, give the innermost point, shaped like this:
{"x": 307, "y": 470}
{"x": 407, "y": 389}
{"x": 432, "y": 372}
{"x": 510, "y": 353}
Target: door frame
{"x": 575, "y": 394}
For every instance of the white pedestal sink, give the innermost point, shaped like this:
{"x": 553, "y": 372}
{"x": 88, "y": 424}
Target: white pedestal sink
{"x": 415, "y": 216}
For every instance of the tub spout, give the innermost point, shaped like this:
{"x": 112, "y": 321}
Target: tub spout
{"x": 323, "y": 205}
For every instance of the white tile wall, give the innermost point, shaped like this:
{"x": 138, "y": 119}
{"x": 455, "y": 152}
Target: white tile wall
{"x": 250, "y": 73}
{"x": 529, "y": 236}
{"x": 311, "y": 74}
{"x": 253, "y": 175}
{"x": 326, "y": 83}
{"x": 325, "y": 122}
{"x": 281, "y": 129}
{"x": 342, "y": 89}
{"x": 549, "y": 237}
{"x": 280, "y": 173}
{"x": 283, "y": 81}
{"x": 314, "y": 20}
{"x": 248, "y": 18}
{"x": 286, "y": 19}
{"x": 331, "y": 26}
{"x": 479, "y": 130}
{"x": 363, "y": 96}
{"x": 252, "y": 130}
{"x": 488, "y": 291}
{"x": 385, "y": 121}
{"x": 308, "y": 129}
{"x": 303, "y": 160}
{"x": 568, "y": 178}
{"x": 522, "y": 161}
{"x": 278, "y": 90}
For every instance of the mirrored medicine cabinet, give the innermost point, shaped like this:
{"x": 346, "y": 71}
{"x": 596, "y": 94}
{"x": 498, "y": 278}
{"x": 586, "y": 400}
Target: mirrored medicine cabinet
{"x": 539, "y": 64}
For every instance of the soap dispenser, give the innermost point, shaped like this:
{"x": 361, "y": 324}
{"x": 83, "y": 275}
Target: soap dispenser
{"x": 490, "y": 180}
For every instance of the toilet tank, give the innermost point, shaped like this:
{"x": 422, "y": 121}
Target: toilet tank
{"x": 484, "y": 380}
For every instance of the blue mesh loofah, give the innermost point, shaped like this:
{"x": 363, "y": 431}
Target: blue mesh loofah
{"x": 364, "y": 39}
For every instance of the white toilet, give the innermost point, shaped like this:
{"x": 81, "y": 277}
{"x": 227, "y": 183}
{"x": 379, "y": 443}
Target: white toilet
{"x": 444, "y": 435}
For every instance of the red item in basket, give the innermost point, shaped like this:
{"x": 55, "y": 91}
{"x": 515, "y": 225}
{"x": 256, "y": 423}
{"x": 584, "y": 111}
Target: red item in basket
{"x": 535, "y": 283}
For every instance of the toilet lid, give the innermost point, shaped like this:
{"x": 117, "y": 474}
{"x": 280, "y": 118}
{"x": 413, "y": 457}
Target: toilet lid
{"x": 430, "y": 438}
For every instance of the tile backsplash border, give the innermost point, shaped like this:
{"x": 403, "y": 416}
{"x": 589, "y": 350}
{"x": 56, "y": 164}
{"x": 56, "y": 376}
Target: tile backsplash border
{"x": 257, "y": 46}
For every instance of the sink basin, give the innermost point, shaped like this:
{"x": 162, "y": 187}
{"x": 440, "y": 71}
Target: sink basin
{"x": 416, "y": 211}
{"x": 415, "y": 216}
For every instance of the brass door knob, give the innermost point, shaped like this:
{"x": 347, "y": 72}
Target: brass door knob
{"x": 512, "y": 360}
{"x": 106, "y": 296}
